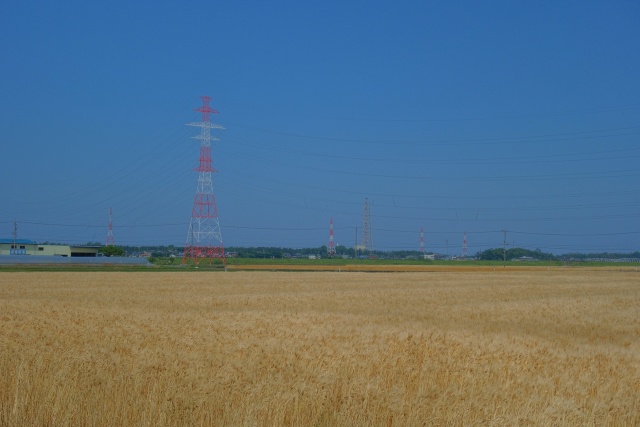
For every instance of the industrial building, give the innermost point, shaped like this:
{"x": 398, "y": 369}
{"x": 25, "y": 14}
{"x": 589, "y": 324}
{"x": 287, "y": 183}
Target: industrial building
{"x": 29, "y": 247}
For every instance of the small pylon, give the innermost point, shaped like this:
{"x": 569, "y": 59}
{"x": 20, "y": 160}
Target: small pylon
{"x": 331, "y": 247}
{"x": 422, "y": 241}
{"x": 367, "y": 239}
{"x": 111, "y": 241}
{"x": 464, "y": 246}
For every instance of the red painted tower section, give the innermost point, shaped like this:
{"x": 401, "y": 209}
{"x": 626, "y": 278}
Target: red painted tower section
{"x": 422, "y": 241}
{"x": 204, "y": 239}
{"x": 111, "y": 241}
{"x": 331, "y": 247}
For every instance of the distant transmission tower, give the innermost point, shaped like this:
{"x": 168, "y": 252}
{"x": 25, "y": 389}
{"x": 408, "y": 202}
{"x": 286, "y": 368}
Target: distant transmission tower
{"x": 331, "y": 247}
{"x": 367, "y": 238}
{"x": 204, "y": 239}
{"x": 422, "y": 240}
{"x": 464, "y": 246}
{"x": 110, "y": 240}
{"x": 14, "y": 248}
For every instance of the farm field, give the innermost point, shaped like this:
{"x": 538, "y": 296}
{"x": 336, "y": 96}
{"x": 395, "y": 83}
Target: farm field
{"x": 257, "y": 348}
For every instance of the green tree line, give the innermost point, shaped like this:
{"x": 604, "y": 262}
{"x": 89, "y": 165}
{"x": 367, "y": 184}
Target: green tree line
{"x": 498, "y": 254}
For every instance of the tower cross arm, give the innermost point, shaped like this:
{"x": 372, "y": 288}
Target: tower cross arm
{"x": 206, "y": 138}
{"x": 208, "y": 125}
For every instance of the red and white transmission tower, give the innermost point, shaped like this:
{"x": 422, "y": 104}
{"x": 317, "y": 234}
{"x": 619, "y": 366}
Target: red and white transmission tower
{"x": 422, "y": 240}
{"x": 464, "y": 246}
{"x": 204, "y": 239}
{"x": 110, "y": 239}
{"x": 331, "y": 247}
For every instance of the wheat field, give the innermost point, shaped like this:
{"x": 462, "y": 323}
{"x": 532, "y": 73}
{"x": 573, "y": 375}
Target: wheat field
{"x": 320, "y": 348}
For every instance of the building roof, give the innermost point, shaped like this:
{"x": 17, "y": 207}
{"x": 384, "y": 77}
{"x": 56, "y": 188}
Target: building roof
{"x": 52, "y": 259}
{"x": 18, "y": 241}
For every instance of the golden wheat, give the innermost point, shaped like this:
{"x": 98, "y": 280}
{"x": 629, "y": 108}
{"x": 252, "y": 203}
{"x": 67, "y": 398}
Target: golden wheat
{"x": 257, "y": 348}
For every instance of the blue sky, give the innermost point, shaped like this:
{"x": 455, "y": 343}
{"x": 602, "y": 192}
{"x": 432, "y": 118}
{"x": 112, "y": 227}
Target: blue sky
{"x": 452, "y": 116}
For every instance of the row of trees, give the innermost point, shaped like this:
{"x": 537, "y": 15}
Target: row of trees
{"x": 250, "y": 252}
{"x": 112, "y": 251}
{"x": 495, "y": 254}
{"x": 498, "y": 254}
{"x": 275, "y": 252}
{"x": 607, "y": 255}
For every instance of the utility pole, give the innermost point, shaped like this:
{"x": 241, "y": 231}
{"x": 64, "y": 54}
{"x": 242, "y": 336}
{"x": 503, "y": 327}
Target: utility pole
{"x": 504, "y": 249}
{"x": 15, "y": 237}
{"x": 355, "y": 246}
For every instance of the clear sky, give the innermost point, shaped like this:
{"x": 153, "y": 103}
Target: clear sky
{"x": 452, "y": 116}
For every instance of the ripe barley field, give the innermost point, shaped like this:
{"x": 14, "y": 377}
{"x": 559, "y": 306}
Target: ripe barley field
{"x": 535, "y": 347}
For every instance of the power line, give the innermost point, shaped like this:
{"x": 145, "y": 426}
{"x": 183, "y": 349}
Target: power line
{"x": 491, "y": 160}
{"x": 621, "y": 173}
{"x": 410, "y": 231}
{"x": 567, "y": 136}
{"x": 504, "y": 117}
{"x": 547, "y": 195}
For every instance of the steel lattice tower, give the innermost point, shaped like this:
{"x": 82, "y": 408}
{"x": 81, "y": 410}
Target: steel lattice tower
{"x": 331, "y": 247}
{"x": 422, "y": 240}
{"x": 367, "y": 239}
{"x": 110, "y": 239}
{"x": 464, "y": 246}
{"x": 204, "y": 239}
